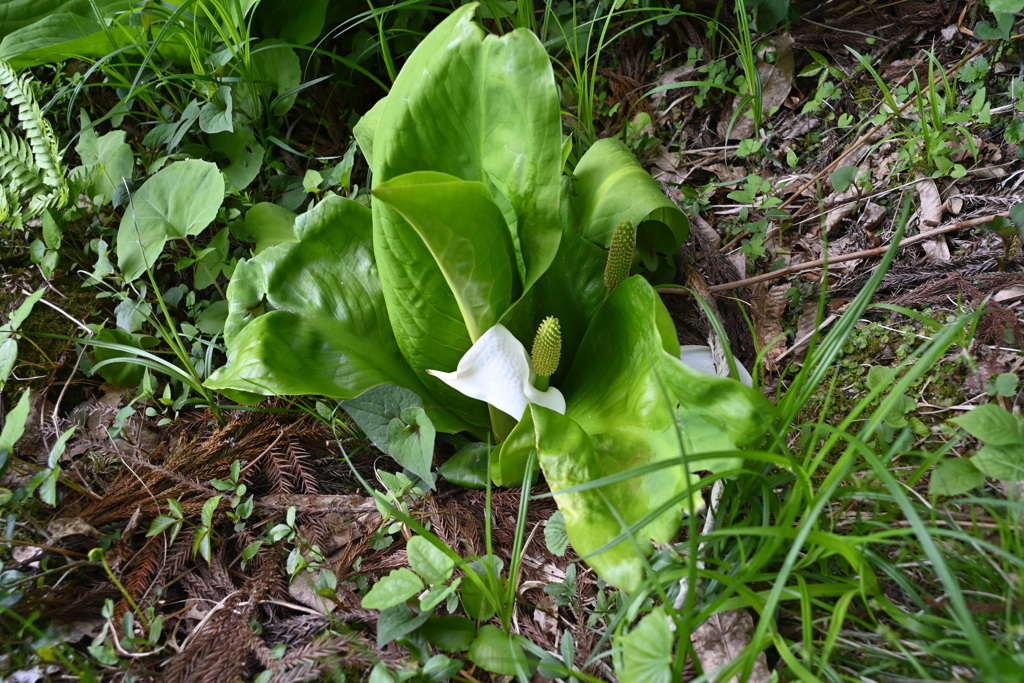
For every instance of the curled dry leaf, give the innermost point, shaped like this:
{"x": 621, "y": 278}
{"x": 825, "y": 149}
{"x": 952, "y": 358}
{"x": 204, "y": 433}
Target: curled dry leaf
{"x": 680, "y": 74}
{"x": 63, "y": 527}
{"x": 769, "y": 305}
{"x": 844, "y": 204}
{"x": 930, "y": 216}
{"x": 777, "y": 80}
{"x": 303, "y": 590}
{"x": 720, "y": 639}
{"x": 667, "y": 167}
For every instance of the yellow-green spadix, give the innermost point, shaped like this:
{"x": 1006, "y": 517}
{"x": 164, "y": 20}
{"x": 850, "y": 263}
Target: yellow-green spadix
{"x": 496, "y": 370}
{"x": 620, "y": 254}
{"x": 547, "y": 347}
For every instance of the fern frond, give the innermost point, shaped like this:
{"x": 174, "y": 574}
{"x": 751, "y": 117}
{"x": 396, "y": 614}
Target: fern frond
{"x": 40, "y": 158}
{"x": 18, "y": 172}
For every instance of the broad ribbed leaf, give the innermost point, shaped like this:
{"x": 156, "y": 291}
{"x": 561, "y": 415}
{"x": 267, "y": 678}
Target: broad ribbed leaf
{"x": 365, "y": 130}
{"x": 570, "y": 457}
{"x": 467, "y": 237}
{"x": 37, "y": 32}
{"x": 481, "y": 108}
{"x": 63, "y": 35}
{"x": 622, "y": 358}
{"x": 16, "y": 14}
{"x": 612, "y": 186}
{"x": 308, "y": 317}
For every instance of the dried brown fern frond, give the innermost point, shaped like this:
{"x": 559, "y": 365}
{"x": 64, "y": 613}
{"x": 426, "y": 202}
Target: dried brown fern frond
{"x": 220, "y": 646}
{"x": 275, "y": 468}
{"x": 296, "y": 630}
{"x": 311, "y": 661}
{"x": 208, "y": 584}
{"x": 179, "y": 555}
{"x": 182, "y": 471}
{"x": 315, "y": 529}
{"x": 288, "y": 468}
{"x": 142, "y": 570}
{"x": 67, "y": 602}
{"x": 306, "y": 476}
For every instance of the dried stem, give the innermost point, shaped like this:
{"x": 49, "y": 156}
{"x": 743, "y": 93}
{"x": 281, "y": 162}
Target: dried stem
{"x": 852, "y": 256}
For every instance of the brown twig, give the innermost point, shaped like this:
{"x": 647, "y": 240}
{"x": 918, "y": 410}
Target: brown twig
{"x": 823, "y": 263}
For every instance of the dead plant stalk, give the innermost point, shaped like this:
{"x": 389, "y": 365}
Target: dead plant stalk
{"x": 852, "y": 256}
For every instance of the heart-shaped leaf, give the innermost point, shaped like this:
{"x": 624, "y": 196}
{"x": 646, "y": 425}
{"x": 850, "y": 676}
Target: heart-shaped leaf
{"x": 411, "y": 440}
{"x": 178, "y": 201}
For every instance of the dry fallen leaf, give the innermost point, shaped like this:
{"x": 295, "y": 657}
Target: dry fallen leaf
{"x": 69, "y": 526}
{"x": 930, "y": 216}
{"x": 841, "y": 205}
{"x": 303, "y": 590}
{"x": 721, "y": 639}
{"x": 777, "y": 80}
{"x": 768, "y": 306}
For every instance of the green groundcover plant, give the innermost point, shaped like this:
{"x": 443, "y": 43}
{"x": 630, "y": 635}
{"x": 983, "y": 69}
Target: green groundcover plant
{"x": 475, "y": 237}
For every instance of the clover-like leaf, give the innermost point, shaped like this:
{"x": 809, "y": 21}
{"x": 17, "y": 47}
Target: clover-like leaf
{"x": 394, "y": 589}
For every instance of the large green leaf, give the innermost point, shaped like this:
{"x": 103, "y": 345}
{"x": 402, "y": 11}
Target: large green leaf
{"x": 293, "y": 22}
{"x": 612, "y": 186}
{"x": 646, "y": 651}
{"x": 622, "y": 358}
{"x": 494, "y": 120}
{"x": 269, "y": 224}
{"x": 244, "y": 155}
{"x": 278, "y": 71}
{"x": 365, "y": 130}
{"x": 17, "y": 14}
{"x": 595, "y": 516}
{"x": 467, "y": 237}
{"x": 626, "y": 399}
{"x": 180, "y": 200}
{"x": 308, "y": 317}
{"x": 62, "y": 36}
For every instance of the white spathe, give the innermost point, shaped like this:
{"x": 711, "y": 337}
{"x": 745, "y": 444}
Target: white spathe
{"x": 701, "y": 358}
{"x": 496, "y": 370}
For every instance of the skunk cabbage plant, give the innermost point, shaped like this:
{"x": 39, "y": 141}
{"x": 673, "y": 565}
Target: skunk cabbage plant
{"x": 475, "y": 237}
